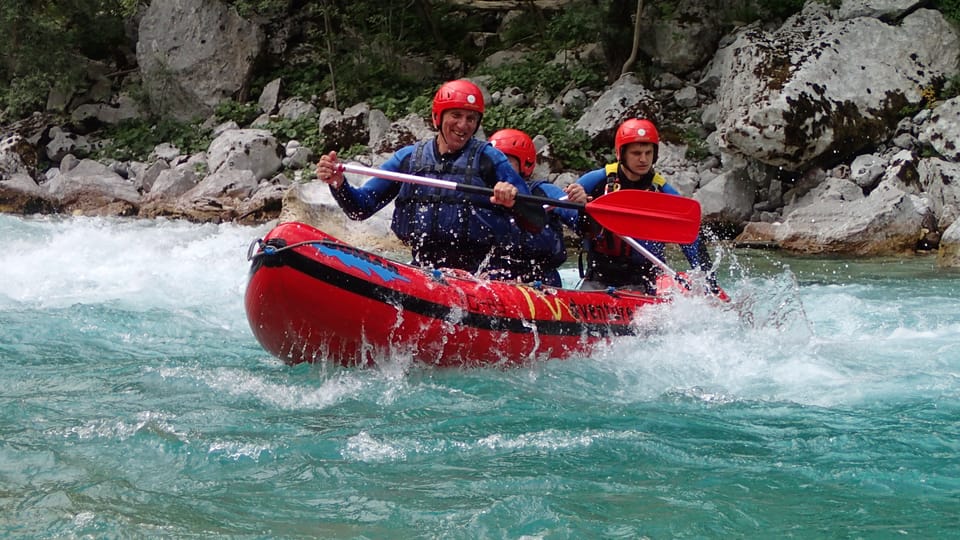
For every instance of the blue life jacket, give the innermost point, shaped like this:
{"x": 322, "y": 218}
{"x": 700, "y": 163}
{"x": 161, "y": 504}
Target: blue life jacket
{"x": 444, "y": 221}
{"x": 528, "y": 256}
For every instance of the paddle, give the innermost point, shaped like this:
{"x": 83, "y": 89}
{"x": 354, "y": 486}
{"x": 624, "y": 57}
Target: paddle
{"x": 659, "y": 217}
{"x": 679, "y": 277}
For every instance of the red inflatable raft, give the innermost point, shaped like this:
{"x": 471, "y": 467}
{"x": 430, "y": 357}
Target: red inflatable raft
{"x": 313, "y": 298}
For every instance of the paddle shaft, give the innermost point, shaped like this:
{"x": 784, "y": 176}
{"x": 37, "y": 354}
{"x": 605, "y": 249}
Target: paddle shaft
{"x": 659, "y": 217}
{"x": 650, "y": 256}
{"x": 545, "y": 201}
{"x": 641, "y": 250}
{"x": 447, "y": 184}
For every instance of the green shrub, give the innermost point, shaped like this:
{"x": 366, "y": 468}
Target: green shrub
{"x": 233, "y": 111}
{"x": 949, "y": 8}
{"x": 47, "y": 44}
{"x": 135, "y": 139}
{"x": 572, "y": 147}
{"x": 303, "y": 129}
{"x": 353, "y": 151}
{"x": 951, "y": 88}
{"x": 536, "y": 72}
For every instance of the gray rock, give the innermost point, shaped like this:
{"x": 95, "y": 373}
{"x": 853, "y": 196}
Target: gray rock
{"x": 193, "y": 54}
{"x": 270, "y": 97}
{"x": 253, "y": 150}
{"x": 844, "y": 221}
{"x": 818, "y": 89}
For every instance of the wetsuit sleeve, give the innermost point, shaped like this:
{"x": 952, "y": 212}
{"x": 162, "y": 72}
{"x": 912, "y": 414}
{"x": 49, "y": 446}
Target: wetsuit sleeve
{"x": 670, "y": 190}
{"x": 362, "y": 202}
{"x": 494, "y": 167}
{"x": 568, "y": 216}
{"x": 594, "y": 183}
{"x": 696, "y": 253}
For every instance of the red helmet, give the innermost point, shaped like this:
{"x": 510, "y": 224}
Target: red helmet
{"x": 458, "y": 94}
{"x": 518, "y": 144}
{"x": 637, "y": 130}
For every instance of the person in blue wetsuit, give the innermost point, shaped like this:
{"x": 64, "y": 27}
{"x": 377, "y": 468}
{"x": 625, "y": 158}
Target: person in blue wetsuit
{"x": 611, "y": 262}
{"x": 444, "y": 227}
{"x": 532, "y": 257}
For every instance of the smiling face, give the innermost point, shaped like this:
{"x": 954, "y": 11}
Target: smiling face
{"x": 456, "y": 128}
{"x": 637, "y": 158}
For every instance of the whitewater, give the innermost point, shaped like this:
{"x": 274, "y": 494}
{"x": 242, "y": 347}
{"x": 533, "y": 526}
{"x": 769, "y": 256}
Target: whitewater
{"x": 821, "y": 402}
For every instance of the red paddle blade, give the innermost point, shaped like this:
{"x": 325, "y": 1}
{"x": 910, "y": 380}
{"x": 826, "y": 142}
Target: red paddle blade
{"x": 648, "y": 215}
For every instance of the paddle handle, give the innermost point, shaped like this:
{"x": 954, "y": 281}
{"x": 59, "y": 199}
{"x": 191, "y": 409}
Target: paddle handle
{"x": 447, "y": 184}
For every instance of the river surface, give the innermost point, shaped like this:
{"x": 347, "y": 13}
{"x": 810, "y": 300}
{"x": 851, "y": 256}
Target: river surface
{"x": 823, "y": 402}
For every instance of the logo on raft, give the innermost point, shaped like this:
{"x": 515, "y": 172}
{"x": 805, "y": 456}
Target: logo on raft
{"x": 355, "y": 258}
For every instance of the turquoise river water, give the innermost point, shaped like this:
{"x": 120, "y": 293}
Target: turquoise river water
{"x": 823, "y": 402}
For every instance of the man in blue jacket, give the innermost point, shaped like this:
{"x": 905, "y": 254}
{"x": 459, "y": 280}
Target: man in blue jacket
{"x": 610, "y": 261}
{"x": 443, "y": 227}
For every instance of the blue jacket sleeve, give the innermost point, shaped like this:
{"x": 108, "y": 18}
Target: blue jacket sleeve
{"x": 593, "y": 181}
{"x": 695, "y": 252}
{"x": 503, "y": 170}
{"x": 567, "y": 215}
{"x": 362, "y": 202}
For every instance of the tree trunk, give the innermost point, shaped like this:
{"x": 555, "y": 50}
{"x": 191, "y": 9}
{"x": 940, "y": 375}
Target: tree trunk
{"x": 327, "y": 29}
{"x": 636, "y": 41}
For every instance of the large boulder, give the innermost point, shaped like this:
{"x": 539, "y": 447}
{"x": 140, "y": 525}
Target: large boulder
{"x": 942, "y": 130}
{"x": 20, "y": 194}
{"x": 948, "y": 256}
{"x": 626, "y": 98}
{"x": 836, "y": 217}
{"x": 193, "y": 54}
{"x": 819, "y": 89}
{"x": 254, "y": 150}
{"x": 89, "y": 188}
{"x": 314, "y": 205}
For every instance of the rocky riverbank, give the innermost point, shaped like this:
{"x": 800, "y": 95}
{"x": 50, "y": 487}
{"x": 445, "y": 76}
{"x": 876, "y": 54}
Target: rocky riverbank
{"x": 823, "y": 134}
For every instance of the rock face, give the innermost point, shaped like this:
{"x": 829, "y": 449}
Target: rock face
{"x": 942, "y": 131}
{"x": 823, "y": 133}
{"x": 949, "y": 254}
{"x": 193, "y": 54}
{"x": 840, "y": 219}
{"x": 313, "y": 203}
{"x": 819, "y": 89}
{"x": 255, "y": 150}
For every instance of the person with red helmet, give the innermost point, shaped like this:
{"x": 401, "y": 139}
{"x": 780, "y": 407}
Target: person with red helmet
{"x": 610, "y": 261}
{"x": 443, "y": 227}
{"x": 532, "y": 257}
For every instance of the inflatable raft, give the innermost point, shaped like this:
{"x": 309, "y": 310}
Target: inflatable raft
{"x": 313, "y": 298}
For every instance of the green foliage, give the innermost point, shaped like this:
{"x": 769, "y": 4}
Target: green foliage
{"x": 263, "y": 8}
{"x": 909, "y": 109}
{"x": 303, "y": 129}
{"x": 25, "y": 93}
{"x": 399, "y": 106}
{"x": 43, "y": 40}
{"x": 951, "y": 88}
{"x": 536, "y": 72}
{"x": 353, "y": 151}
{"x": 696, "y": 145}
{"x": 241, "y": 113}
{"x": 572, "y": 147}
{"x": 578, "y": 23}
{"x": 135, "y": 139}
{"x": 949, "y": 8}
